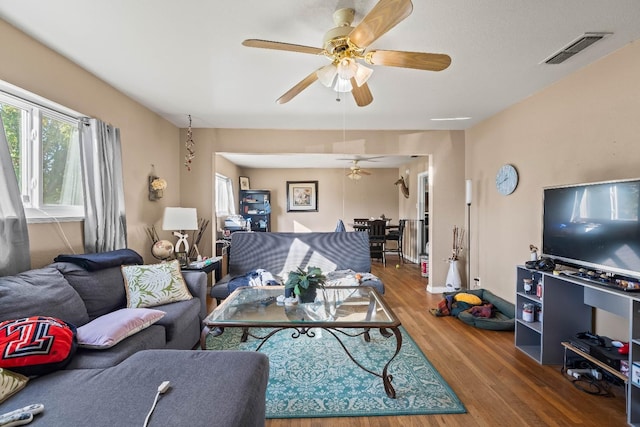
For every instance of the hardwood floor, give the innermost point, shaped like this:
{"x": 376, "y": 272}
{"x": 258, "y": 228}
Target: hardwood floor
{"x": 499, "y": 385}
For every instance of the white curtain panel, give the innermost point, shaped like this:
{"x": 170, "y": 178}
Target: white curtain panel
{"x": 14, "y": 235}
{"x": 105, "y": 227}
{"x": 71, "y": 193}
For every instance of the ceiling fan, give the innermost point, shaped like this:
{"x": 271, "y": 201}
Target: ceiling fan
{"x": 346, "y": 47}
{"x": 356, "y": 171}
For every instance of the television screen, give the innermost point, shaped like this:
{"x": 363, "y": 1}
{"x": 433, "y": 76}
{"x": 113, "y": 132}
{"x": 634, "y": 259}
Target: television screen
{"x": 594, "y": 225}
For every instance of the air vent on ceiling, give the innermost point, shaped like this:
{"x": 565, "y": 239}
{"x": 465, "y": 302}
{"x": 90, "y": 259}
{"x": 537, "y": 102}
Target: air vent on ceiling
{"x": 586, "y": 40}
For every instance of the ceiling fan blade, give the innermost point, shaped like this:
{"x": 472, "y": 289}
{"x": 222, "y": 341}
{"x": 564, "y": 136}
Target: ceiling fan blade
{"x": 385, "y": 15}
{"x": 302, "y": 85}
{"x": 364, "y": 172}
{"x": 417, "y": 60}
{"x": 266, "y": 44}
{"x": 362, "y": 158}
{"x": 361, "y": 94}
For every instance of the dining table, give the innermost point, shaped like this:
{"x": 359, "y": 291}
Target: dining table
{"x": 365, "y": 227}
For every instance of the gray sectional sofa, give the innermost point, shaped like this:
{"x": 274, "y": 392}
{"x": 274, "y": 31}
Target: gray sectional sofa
{"x": 279, "y": 253}
{"x": 116, "y": 386}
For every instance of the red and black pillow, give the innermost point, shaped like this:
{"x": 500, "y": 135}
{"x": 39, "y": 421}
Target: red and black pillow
{"x": 36, "y": 345}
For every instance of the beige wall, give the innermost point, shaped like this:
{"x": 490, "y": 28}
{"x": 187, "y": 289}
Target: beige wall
{"x": 446, "y": 163}
{"x": 338, "y": 197}
{"x": 146, "y": 139}
{"x": 584, "y": 128}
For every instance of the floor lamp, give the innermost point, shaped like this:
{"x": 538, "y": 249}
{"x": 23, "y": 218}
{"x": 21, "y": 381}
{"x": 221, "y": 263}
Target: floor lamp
{"x": 468, "y": 186}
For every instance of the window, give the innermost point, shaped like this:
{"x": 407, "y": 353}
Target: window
{"x": 45, "y": 150}
{"x": 225, "y": 203}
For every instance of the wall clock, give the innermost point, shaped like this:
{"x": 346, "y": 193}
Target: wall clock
{"x": 506, "y": 179}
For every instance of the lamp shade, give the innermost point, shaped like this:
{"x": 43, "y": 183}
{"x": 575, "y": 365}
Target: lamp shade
{"x": 468, "y": 186}
{"x": 180, "y": 219}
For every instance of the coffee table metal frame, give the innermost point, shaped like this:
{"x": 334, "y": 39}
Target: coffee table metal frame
{"x": 337, "y": 310}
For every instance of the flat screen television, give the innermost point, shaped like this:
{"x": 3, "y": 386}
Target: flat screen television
{"x": 595, "y": 226}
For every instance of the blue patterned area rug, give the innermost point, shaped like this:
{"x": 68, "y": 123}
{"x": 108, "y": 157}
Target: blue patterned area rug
{"x": 314, "y": 377}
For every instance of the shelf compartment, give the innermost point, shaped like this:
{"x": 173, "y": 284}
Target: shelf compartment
{"x": 529, "y": 341}
{"x": 536, "y": 326}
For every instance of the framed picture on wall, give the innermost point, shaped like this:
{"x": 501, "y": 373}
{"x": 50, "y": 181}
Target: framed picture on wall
{"x": 302, "y": 196}
{"x": 244, "y": 183}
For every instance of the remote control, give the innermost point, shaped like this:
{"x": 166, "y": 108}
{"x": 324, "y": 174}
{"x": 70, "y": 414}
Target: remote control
{"x": 267, "y": 301}
{"x": 16, "y": 420}
{"x": 32, "y": 409}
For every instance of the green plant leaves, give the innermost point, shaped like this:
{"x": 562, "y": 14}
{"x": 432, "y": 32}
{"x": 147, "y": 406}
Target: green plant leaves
{"x": 301, "y": 280}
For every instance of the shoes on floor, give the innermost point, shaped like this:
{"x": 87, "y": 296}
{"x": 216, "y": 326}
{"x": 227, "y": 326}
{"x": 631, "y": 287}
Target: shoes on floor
{"x": 282, "y": 300}
{"x": 291, "y": 301}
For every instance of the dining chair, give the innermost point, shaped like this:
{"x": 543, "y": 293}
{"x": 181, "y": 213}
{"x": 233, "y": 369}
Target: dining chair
{"x": 396, "y": 236}
{"x": 377, "y": 239}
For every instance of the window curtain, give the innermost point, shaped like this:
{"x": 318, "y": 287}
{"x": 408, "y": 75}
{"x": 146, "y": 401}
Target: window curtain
{"x": 105, "y": 227}
{"x": 14, "y": 235}
{"x": 71, "y": 193}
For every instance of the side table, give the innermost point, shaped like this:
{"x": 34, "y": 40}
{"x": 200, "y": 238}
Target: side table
{"x": 215, "y": 265}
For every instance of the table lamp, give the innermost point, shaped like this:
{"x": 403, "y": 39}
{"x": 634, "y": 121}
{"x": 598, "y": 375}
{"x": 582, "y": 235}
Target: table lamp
{"x": 179, "y": 220}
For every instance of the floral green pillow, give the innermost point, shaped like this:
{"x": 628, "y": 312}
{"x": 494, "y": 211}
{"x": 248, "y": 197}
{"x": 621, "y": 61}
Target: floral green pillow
{"x": 10, "y": 383}
{"x": 154, "y": 284}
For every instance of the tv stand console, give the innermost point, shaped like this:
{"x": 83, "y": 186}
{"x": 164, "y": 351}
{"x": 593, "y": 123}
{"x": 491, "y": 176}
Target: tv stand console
{"x": 565, "y": 308}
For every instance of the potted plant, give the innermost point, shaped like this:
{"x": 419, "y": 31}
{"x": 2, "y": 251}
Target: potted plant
{"x": 306, "y": 283}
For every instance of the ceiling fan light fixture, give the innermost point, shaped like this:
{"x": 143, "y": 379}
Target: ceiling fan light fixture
{"x": 342, "y": 85}
{"x": 354, "y": 176}
{"x": 362, "y": 74}
{"x": 327, "y": 74}
{"x": 347, "y": 68}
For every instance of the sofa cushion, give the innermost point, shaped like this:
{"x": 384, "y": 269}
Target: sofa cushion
{"x": 111, "y": 328}
{"x": 234, "y": 384}
{"x": 280, "y": 253}
{"x": 154, "y": 284}
{"x": 102, "y": 291}
{"x": 178, "y": 316}
{"x": 41, "y": 292}
{"x": 36, "y": 345}
{"x": 10, "y": 383}
{"x": 152, "y": 337}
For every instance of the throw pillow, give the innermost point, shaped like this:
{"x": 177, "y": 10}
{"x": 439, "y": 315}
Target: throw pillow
{"x": 36, "y": 345}
{"x": 468, "y": 298}
{"x": 109, "y": 329}
{"x": 154, "y": 284}
{"x": 10, "y": 383}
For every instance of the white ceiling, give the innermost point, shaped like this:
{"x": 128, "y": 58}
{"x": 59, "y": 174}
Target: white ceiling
{"x": 185, "y": 57}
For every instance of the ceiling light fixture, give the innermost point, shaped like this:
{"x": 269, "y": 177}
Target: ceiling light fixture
{"x": 354, "y": 176}
{"x": 445, "y": 119}
{"x": 339, "y": 74}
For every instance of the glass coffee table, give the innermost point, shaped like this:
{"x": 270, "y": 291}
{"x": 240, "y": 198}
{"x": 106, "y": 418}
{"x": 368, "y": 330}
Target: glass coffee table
{"x": 341, "y": 311}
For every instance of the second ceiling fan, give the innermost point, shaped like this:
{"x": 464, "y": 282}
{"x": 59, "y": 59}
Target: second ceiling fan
{"x": 346, "y": 47}
{"x": 356, "y": 172}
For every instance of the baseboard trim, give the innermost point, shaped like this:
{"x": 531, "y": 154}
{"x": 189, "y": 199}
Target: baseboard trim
{"x": 436, "y": 289}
